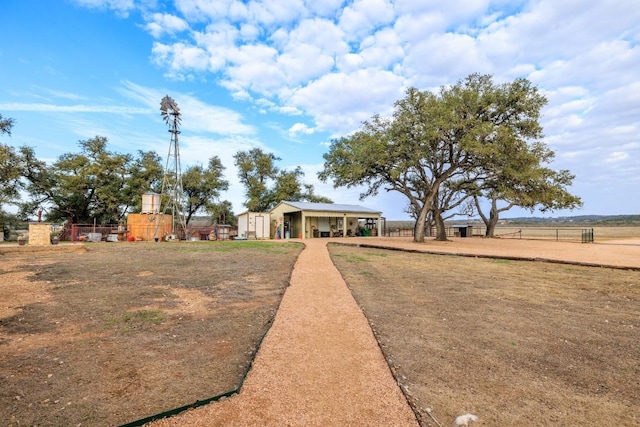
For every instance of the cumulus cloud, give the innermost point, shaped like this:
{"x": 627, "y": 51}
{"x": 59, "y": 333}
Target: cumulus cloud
{"x": 300, "y": 128}
{"x": 163, "y": 23}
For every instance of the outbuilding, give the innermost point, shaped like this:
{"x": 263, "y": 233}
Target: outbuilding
{"x": 254, "y": 225}
{"x": 306, "y": 220}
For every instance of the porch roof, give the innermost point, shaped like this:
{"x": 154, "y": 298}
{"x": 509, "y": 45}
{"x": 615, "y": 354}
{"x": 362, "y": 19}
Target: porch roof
{"x": 329, "y": 207}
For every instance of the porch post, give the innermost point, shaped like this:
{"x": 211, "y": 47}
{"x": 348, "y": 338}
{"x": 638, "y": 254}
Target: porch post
{"x": 344, "y": 225}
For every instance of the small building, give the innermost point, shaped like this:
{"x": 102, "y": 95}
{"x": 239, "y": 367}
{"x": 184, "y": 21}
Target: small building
{"x": 306, "y": 220}
{"x": 254, "y": 225}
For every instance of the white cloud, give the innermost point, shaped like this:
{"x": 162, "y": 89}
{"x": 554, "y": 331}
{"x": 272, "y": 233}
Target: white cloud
{"x": 450, "y": 58}
{"x": 180, "y": 59}
{"x": 617, "y": 157}
{"x": 300, "y": 128}
{"x": 363, "y": 17}
{"x": 382, "y": 49}
{"x": 163, "y": 23}
{"x": 203, "y": 10}
{"x": 340, "y": 102}
{"x": 121, "y": 6}
{"x": 275, "y": 13}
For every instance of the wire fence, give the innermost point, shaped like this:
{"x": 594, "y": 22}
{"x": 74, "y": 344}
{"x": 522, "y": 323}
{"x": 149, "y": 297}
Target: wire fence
{"x": 564, "y": 234}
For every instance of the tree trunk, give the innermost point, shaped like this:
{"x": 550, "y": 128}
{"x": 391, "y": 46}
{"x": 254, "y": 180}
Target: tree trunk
{"x": 494, "y": 217}
{"x": 441, "y": 230}
{"x": 491, "y": 226}
{"x": 418, "y": 236}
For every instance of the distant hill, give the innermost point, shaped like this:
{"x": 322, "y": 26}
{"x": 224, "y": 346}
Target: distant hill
{"x": 569, "y": 220}
{"x": 578, "y": 219}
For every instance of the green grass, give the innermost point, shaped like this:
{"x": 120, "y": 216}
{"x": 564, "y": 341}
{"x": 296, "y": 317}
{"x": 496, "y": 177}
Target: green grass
{"x": 229, "y": 246}
{"x": 135, "y": 320}
{"x": 268, "y": 247}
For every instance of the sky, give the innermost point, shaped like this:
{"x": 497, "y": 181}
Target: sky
{"x": 288, "y": 76}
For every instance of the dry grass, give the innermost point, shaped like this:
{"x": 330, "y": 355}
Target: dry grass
{"x": 514, "y": 342}
{"x": 129, "y": 330}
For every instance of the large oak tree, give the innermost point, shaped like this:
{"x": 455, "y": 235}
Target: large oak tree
{"x": 440, "y": 143}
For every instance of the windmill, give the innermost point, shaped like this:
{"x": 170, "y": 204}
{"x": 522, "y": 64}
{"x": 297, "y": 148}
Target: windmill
{"x": 172, "y": 194}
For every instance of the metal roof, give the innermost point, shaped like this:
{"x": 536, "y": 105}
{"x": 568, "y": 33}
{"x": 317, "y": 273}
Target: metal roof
{"x": 329, "y": 207}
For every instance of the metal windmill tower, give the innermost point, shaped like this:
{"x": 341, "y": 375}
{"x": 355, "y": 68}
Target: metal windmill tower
{"x": 172, "y": 194}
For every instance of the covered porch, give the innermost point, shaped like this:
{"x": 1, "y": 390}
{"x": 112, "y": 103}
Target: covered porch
{"x": 321, "y": 220}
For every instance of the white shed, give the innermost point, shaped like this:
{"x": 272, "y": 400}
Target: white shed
{"x": 254, "y": 225}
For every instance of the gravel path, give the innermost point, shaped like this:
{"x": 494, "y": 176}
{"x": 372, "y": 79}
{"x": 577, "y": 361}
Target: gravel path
{"x": 319, "y": 364}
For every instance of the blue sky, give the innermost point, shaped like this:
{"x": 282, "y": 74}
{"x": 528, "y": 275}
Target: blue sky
{"x": 287, "y": 76}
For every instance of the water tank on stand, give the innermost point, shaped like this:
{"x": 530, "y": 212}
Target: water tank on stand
{"x": 150, "y": 203}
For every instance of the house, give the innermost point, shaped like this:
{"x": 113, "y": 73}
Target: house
{"x": 305, "y": 220}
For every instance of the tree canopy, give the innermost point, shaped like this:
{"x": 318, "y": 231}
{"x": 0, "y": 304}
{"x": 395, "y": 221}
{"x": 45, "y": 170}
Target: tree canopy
{"x": 266, "y": 185}
{"x": 202, "y": 187}
{"x": 10, "y": 170}
{"x": 99, "y": 185}
{"x": 5, "y": 125}
{"x": 440, "y": 148}
{"x": 522, "y": 180}
{"x": 94, "y": 184}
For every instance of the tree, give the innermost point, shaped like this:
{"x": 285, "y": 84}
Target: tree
{"x": 436, "y": 141}
{"x": 202, "y": 187}
{"x": 529, "y": 185}
{"x": 222, "y": 213}
{"x": 256, "y": 169}
{"x": 514, "y": 172}
{"x": 94, "y": 184}
{"x": 10, "y": 175}
{"x": 144, "y": 175}
{"x": 6, "y": 125}
{"x": 289, "y": 186}
{"x": 266, "y": 185}
{"x": 10, "y": 167}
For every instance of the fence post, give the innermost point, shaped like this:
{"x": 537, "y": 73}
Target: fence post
{"x": 587, "y": 235}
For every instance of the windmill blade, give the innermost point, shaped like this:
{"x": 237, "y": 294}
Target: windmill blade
{"x": 170, "y": 111}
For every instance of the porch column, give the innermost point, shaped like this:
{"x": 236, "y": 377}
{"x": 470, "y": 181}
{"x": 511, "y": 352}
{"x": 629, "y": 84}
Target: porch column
{"x": 344, "y": 225}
